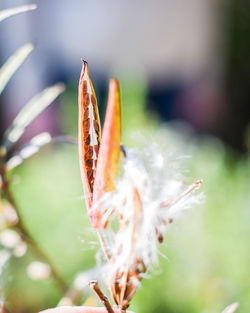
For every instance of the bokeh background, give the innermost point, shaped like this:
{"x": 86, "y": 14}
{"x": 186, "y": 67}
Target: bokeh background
{"x": 184, "y": 72}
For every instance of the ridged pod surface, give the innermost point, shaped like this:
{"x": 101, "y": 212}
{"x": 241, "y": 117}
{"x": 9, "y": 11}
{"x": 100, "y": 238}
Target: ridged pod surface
{"x": 109, "y": 155}
{"x": 88, "y": 133}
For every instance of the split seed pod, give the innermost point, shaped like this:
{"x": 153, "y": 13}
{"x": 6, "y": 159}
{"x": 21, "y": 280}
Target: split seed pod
{"x": 88, "y": 133}
{"x": 99, "y": 169}
{"x": 125, "y": 280}
{"x": 109, "y": 155}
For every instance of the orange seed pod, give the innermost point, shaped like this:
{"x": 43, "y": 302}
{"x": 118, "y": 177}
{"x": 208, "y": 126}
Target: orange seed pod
{"x": 88, "y": 133}
{"x": 109, "y": 154}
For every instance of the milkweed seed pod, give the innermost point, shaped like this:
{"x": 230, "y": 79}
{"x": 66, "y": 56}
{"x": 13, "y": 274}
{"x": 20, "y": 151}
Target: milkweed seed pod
{"x": 109, "y": 155}
{"x": 88, "y": 133}
{"x": 125, "y": 278}
{"x": 99, "y": 169}
{"x": 145, "y": 199}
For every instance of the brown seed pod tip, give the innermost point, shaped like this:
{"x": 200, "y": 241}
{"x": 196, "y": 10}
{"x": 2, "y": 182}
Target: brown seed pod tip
{"x": 85, "y": 62}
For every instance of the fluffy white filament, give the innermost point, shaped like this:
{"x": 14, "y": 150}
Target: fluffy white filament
{"x": 163, "y": 196}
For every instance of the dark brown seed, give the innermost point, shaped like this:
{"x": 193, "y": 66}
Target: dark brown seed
{"x": 96, "y": 126}
{"x": 86, "y": 114}
{"x": 87, "y": 142}
{"x": 86, "y": 124}
{"x": 89, "y": 163}
{"x": 87, "y": 100}
{"x": 90, "y": 152}
{"x": 90, "y": 175}
{"x": 93, "y": 100}
{"x": 160, "y": 238}
{"x": 159, "y": 235}
{"x": 85, "y": 86}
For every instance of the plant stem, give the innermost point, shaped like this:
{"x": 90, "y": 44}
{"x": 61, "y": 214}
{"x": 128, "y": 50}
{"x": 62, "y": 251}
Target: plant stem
{"x": 103, "y": 244}
{"x": 24, "y": 233}
{"x": 104, "y": 300}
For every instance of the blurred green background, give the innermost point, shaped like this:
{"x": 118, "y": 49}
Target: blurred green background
{"x": 179, "y": 63}
{"x": 208, "y": 249}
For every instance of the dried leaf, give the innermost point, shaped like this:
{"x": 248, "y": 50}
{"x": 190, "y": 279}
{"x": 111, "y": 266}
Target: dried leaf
{"x": 109, "y": 154}
{"x": 88, "y": 133}
{"x": 13, "y": 63}
{"x": 13, "y": 11}
{"x": 29, "y": 112}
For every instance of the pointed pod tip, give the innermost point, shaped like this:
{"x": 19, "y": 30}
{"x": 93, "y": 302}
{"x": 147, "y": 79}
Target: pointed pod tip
{"x": 84, "y": 68}
{"x": 115, "y": 80}
{"x": 114, "y": 94}
{"x": 84, "y": 62}
{"x": 113, "y": 83}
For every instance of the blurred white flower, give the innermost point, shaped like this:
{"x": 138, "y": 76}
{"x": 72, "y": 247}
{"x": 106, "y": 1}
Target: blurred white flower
{"x": 9, "y": 238}
{"x": 38, "y": 270}
{"x": 8, "y": 215}
{"x": 12, "y": 241}
{"x": 20, "y": 249}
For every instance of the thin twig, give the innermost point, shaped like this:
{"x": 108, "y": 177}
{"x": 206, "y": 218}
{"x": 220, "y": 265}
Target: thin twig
{"x": 104, "y": 300}
{"x": 196, "y": 185}
{"x": 24, "y": 233}
{"x": 103, "y": 244}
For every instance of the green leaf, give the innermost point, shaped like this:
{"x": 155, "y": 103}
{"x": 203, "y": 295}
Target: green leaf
{"x": 13, "y": 11}
{"x": 13, "y": 63}
{"x": 231, "y": 308}
{"x": 34, "y": 146}
{"x": 29, "y": 112}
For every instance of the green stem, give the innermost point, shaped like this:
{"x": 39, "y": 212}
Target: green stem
{"x": 24, "y": 233}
